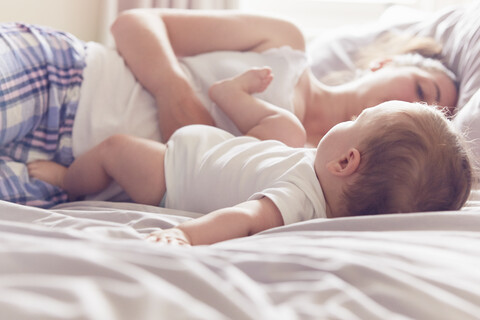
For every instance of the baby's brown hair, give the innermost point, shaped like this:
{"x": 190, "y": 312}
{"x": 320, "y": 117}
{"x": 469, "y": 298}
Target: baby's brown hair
{"x": 415, "y": 162}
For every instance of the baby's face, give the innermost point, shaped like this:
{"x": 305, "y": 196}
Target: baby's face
{"x": 349, "y": 134}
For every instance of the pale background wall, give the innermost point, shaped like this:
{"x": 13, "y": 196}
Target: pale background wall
{"x": 317, "y": 15}
{"x": 80, "y": 17}
{"x": 89, "y": 19}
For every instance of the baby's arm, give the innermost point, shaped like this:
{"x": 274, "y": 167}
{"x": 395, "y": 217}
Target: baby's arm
{"x": 253, "y": 116}
{"x": 245, "y": 219}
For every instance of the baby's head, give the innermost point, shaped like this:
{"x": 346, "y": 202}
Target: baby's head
{"x": 409, "y": 159}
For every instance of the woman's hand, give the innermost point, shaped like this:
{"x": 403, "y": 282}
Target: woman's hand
{"x": 173, "y": 236}
{"x": 179, "y": 108}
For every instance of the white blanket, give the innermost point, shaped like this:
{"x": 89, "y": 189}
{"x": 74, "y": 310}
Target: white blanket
{"x": 89, "y": 260}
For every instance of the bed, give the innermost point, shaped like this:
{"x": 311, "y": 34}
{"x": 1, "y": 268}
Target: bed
{"x": 90, "y": 260}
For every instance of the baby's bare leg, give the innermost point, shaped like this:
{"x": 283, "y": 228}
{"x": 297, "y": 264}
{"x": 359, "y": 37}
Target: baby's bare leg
{"x": 86, "y": 175}
{"x": 252, "y": 81}
{"x": 234, "y": 97}
{"x": 136, "y": 164}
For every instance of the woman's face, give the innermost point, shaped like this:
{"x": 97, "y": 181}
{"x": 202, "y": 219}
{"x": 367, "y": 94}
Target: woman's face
{"x": 411, "y": 84}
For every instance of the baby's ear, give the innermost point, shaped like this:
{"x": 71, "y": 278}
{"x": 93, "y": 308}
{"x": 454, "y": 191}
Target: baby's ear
{"x": 346, "y": 165}
{"x": 378, "y": 64}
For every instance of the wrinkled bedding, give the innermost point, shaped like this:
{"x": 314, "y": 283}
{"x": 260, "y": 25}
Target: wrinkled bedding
{"x": 89, "y": 260}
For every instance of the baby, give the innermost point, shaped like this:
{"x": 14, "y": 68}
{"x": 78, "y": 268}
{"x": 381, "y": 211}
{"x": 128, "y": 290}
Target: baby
{"x": 397, "y": 157}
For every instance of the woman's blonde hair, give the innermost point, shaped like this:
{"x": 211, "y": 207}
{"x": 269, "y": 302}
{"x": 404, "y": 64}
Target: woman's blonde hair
{"x": 391, "y": 44}
{"x": 401, "y": 48}
{"x": 415, "y": 162}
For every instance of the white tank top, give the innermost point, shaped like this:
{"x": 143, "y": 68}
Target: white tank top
{"x": 205, "y": 69}
{"x": 112, "y": 101}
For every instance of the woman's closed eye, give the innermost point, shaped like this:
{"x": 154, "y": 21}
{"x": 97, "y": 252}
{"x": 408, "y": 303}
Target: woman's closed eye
{"x": 420, "y": 92}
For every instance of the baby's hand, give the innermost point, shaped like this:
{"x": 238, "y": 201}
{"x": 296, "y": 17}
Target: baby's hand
{"x": 173, "y": 236}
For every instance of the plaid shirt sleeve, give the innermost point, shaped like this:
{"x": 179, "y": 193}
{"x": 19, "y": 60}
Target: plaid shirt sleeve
{"x": 40, "y": 79}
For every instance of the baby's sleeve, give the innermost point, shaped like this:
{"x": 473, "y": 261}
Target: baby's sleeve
{"x": 290, "y": 200}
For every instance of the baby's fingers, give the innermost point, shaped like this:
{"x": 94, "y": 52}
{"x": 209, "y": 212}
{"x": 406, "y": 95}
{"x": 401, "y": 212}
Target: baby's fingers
{"x": 168, "y": 237}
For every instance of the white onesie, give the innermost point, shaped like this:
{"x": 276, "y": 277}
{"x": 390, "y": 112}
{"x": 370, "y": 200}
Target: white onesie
{"x": 207, "y": 169}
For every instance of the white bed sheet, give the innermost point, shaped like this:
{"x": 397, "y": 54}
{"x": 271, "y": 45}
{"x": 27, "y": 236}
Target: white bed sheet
{"x": 88, "y": 260}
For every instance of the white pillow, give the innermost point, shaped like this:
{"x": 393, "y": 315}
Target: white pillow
{"x": 459, "y": 32}
{"x": 456, "y": 28}
{"x": 468, "y": 121}
{"x": 333, "y": 50}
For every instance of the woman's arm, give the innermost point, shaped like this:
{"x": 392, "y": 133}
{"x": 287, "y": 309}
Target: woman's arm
{"x": 245, "y": 219}
{"x": 191, "y": 32}
{"x": 150, "y": 41}
{"x": 143, "y": 41}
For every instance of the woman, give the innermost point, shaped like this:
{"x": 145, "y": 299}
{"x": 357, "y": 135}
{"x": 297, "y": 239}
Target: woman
{"x": 111, "y": 101}
{"x": 150, "y": 41}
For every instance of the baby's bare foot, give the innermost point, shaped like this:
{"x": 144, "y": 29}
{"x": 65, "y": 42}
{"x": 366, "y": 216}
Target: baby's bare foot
{"x": 47, "y": 171}
{"x": 254, "y": 80}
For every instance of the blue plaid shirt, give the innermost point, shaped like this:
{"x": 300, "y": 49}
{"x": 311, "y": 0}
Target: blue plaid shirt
{"x": 40, "y": 79}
